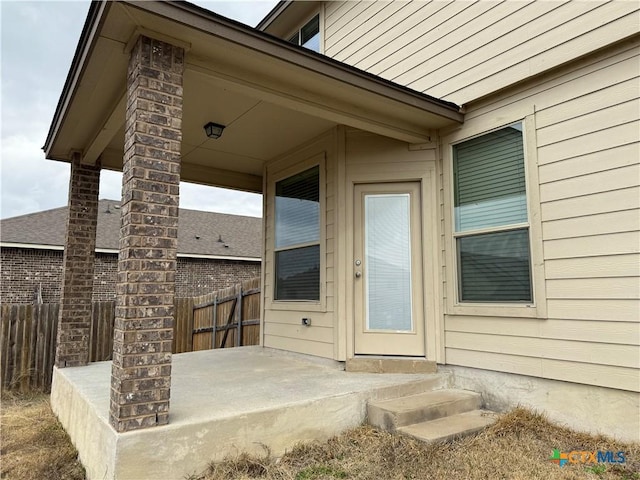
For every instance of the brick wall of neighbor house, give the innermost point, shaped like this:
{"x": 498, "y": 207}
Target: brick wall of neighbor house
{"x": 195, "y": 276}
{"x": 105, "y": 275}
{"x": 24, "y": 269}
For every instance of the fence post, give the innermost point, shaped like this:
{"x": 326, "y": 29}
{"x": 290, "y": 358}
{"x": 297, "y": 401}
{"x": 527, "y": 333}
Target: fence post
{"x": 239, "y": 318}
{"x": 215, "y": 320}
{"x": 33, "y": 338}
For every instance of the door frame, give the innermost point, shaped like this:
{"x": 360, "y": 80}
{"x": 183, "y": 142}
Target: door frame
{"x": 426, "y": 174}
{"x": 409, "y": 343}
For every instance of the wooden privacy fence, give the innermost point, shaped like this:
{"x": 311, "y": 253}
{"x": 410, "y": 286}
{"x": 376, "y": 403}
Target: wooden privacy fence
{"x": 227, "y": 318}
{"x": 28, "y": 342}
{"x": 222, "y": 319}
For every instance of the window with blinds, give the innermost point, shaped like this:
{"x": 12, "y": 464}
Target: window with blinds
{"x": 491, "y": 223}
{"x": 309, "y": 35}
{"x": 297, "y": 237}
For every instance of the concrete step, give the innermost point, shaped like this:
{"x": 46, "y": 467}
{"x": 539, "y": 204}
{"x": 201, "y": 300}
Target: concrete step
{"x": 375, "y": 364}
{"x": 449, "y": 428}
{"x": 398, "y": 412}
{"x": 420, "y": 384}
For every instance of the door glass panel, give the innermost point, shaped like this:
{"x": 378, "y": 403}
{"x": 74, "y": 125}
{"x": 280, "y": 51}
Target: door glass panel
{"x": 387, "y": 246}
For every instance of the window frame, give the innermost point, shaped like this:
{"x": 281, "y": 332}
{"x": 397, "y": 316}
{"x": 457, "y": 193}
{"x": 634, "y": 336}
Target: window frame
{"x": 537, "y": 307}
{"x": 307, "y": 305}
{"x": 298, "y": 31}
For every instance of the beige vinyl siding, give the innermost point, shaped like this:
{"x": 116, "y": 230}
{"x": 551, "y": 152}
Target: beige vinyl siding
{"x": 622, "y": 378}
{"x": 624, "y": 333}
{"x": 587, "y": 119}
{"x": 613, "y": 354}
{"x": 624, "y": 177}
{"x": 371, "y": 158}
{"x": 345, "y": 41}
{"x": 282, "y": 326}
{"x": 461, "y": 51}
{"x": 618, "y": 244}
{"x": 596, "y": 203}
{"x": 605, "y": 263}
{"x": 330, "y": 221}
{"x": 300, "y": 345}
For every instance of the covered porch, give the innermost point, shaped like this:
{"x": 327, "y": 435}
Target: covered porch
{"x": 146, "y": 79}
{"x": 223, "y": 402}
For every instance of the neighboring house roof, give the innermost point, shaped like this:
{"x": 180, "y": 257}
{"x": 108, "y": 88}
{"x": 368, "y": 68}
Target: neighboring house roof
{"x": 199, "y": 233}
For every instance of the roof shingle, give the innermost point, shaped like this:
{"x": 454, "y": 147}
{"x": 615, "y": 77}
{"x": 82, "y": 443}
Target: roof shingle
{"x": 199, "y": 233}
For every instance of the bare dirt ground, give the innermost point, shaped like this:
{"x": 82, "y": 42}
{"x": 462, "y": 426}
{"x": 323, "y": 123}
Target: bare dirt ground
{"x": 517, "y": 447}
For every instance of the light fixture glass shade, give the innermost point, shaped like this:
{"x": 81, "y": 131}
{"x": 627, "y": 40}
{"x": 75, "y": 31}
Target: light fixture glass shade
{"x": 213, "y": 130}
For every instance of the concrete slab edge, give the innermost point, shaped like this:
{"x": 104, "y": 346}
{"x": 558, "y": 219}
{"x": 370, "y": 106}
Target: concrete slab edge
{"x": 90, "y": 433}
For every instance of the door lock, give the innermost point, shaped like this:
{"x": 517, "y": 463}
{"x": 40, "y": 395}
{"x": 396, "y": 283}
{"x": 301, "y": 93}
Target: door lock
{"x": 358, "y": 274}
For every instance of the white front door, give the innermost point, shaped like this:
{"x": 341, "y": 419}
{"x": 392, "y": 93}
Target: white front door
{"x": 387, "y": 270}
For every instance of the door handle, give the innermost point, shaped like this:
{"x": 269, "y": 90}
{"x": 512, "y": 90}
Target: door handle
{"x": 358, "y": 274}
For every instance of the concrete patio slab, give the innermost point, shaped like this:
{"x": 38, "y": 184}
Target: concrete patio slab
{"x": 222, "y": 402}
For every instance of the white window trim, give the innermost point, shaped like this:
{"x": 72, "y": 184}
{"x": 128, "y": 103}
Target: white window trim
{"x": 537, "y": 308}
{"x": 320, "y": 13}
{"x": 297, "y": 305}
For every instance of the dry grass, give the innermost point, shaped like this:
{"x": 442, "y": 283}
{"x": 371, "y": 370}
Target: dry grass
{"x": 517, "y": 447}
{"x": 34, "y": 445}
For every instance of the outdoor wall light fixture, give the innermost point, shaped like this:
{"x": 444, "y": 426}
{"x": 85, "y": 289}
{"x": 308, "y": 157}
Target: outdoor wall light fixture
{"x": 213, "y": 130}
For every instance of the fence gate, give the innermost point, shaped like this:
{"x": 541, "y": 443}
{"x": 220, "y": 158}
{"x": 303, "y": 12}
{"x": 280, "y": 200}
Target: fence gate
{"x": 222, "y": 319}
{"x": 227, "y": 318}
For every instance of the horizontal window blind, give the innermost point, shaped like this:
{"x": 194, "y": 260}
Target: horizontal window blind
{"x": 310, "y": 34}
{"x": 297, "y": 209}
{"x": 490, "y": 193}
{"x": 298, "y": 274}
{"x": 297, "y": 224}
{"x": 494, "y": 267}
{"x": 388, "y": 262}
{"x": 490, "y": 181}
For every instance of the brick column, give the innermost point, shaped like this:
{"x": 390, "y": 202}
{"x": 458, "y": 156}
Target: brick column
{"x": 141, "y": 372}
{"x": 74, "y": 321}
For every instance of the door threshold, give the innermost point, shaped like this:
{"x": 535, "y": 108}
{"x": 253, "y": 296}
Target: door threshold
{"x": 390, "y": 364}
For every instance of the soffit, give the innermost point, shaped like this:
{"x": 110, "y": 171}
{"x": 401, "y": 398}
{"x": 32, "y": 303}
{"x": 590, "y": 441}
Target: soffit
{"x": 270, "y": 94}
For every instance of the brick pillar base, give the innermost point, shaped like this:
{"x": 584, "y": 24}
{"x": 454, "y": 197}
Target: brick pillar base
{"x": 74, "y": 322}
{"x": 141, "y": 373}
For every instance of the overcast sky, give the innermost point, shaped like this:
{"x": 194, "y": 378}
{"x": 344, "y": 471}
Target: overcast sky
{"x": 37, "y": 44}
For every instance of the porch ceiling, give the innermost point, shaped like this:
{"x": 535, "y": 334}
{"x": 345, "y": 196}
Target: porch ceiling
{"x": 271, "y": 95}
